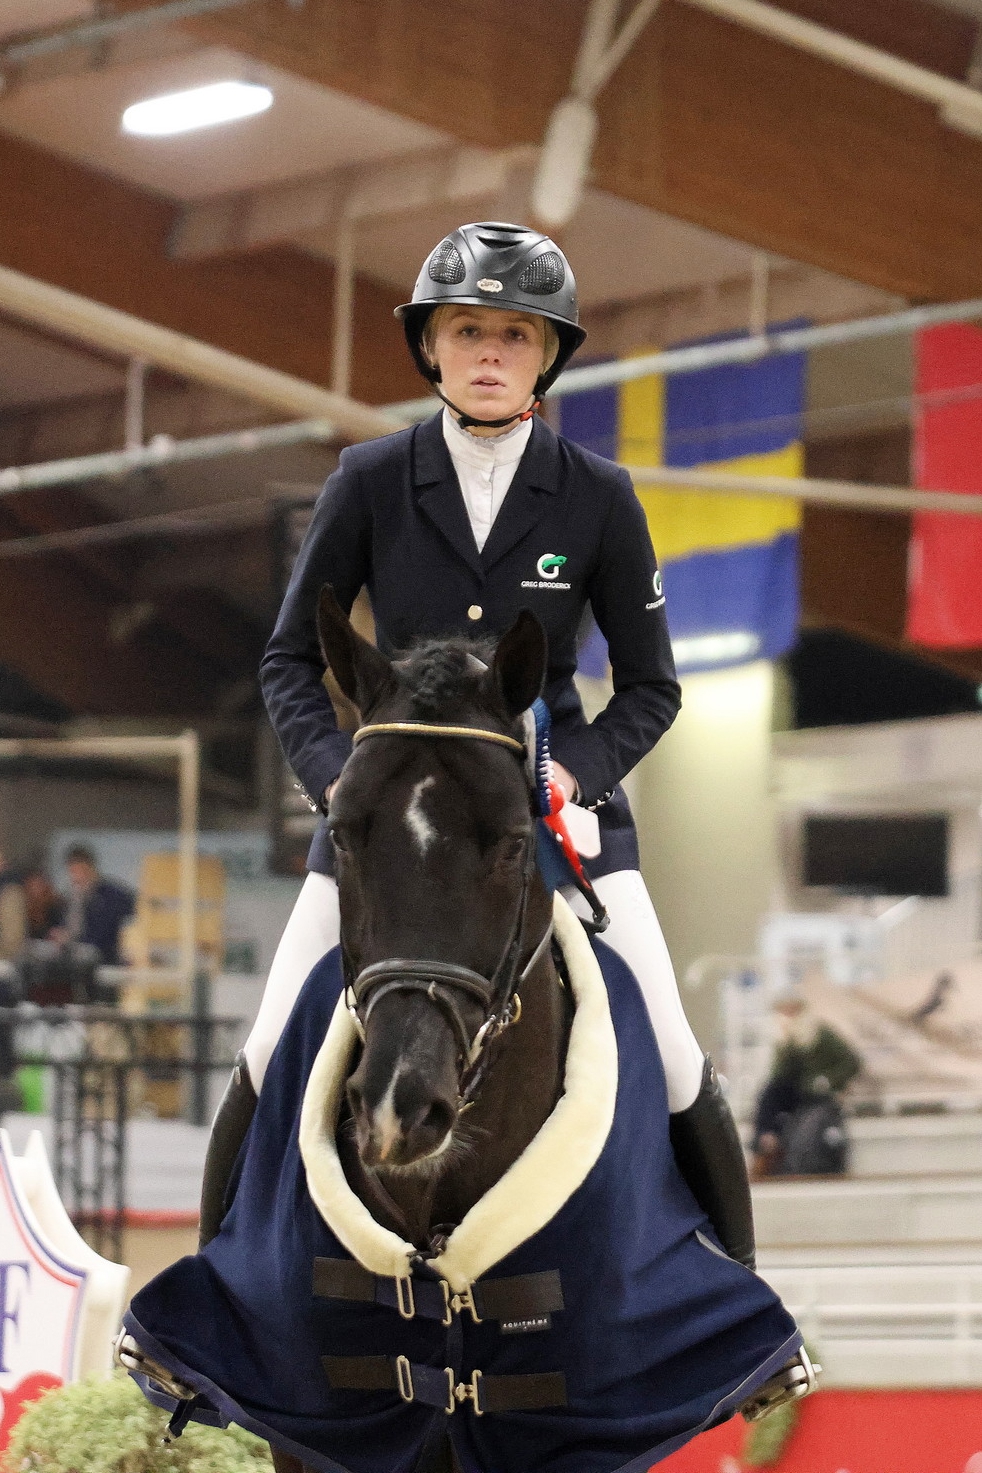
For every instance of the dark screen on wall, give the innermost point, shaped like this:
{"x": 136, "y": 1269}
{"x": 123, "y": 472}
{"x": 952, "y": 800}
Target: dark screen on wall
{"x": 878, "y": 854}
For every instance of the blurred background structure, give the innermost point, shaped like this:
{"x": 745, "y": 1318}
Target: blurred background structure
{"x": 196, "y": 316}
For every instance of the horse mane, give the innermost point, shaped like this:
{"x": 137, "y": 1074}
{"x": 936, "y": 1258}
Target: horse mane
{"x": 437, "y": 674}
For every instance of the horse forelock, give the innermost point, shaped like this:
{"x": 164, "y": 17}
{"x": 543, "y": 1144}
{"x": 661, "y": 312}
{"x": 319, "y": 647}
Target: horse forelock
{"x": 439, "y": 677}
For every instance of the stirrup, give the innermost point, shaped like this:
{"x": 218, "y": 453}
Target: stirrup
{"x": 797, "y": 1379}
{"x": 128, "y": 1355}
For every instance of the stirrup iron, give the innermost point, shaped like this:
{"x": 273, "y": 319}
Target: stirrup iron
{"x": 797, "y": 1379}
{"x": 128, "y": 1355}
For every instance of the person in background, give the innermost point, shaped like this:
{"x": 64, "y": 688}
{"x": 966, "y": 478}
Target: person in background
{"x": 44, "y": 907}
{"x": 96, "y": 907}
{"x": 13, "y": 926}
{"x": 798, "y": 1126}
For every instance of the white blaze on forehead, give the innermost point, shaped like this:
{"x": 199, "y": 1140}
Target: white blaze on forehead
{"x": 417, "y": 822}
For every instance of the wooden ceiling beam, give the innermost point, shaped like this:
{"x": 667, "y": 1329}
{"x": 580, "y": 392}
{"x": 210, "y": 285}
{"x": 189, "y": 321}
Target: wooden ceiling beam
{"x": 704, "y": 120}
{"x": 105, "y": 240}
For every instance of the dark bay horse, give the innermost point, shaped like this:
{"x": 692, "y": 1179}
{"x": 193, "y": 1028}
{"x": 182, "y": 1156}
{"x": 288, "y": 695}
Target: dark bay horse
{"x": 443, "y": 911}
{"x": 434, "y": 807}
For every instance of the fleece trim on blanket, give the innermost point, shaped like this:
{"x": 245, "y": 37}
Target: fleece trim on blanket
{"x": 531, "y": 1192}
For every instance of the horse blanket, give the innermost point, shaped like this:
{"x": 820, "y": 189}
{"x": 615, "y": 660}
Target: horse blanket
{"x": 587, "y": 1289}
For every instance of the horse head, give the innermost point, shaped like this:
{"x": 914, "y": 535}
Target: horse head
{"x": 442, "y": 907}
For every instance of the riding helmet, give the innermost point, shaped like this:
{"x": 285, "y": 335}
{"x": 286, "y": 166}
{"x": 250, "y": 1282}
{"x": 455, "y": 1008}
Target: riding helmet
{"x": 491, "y": 264}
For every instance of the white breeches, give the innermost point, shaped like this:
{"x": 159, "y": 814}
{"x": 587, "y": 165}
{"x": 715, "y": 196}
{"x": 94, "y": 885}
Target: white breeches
{"x": 634, "y": 933}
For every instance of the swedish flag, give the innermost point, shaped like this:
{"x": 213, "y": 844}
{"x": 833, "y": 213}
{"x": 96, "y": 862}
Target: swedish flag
{"x": 730, "y": 563}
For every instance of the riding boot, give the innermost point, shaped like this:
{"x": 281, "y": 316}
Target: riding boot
{"x": 227, "y": 1134}
{"x": 710, "y": 1157}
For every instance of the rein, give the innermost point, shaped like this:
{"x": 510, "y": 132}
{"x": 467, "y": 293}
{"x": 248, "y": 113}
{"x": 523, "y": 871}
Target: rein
{"x": 441, "y": 981}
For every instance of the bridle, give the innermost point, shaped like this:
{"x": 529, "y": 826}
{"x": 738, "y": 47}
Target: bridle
{"x": 443, "y": 982}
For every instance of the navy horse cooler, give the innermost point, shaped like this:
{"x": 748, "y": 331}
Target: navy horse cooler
{"x": 602, "y": 1337}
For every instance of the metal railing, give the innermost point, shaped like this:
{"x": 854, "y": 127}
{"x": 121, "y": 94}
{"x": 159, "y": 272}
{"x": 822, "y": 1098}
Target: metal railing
{"x": 95, "y": 1055}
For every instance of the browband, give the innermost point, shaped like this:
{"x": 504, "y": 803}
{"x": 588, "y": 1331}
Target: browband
{"x": 423, "y": 728}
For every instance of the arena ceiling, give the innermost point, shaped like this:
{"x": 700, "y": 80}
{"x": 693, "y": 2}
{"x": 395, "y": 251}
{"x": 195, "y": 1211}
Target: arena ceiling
{"x": 714, "y": 142}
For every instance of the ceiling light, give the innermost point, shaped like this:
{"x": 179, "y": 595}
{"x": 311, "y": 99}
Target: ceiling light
{"x": 201, "y": 107}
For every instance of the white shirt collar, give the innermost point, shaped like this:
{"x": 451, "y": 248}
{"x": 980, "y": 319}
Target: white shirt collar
{"x": 496, "y": 450}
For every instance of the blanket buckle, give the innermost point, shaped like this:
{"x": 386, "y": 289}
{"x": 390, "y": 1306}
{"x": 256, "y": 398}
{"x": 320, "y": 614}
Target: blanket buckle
{"x": 404, "y": 1378}
{"x": 460, "y": 1302}
{"x": 470, "y": 1391}
{"x": 405, "y": 1299}
{"x": 447, "y": 1306}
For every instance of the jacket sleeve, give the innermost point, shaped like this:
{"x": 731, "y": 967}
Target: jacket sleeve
{"x": 629, "y": 606}
{"x": 335, "y": 550}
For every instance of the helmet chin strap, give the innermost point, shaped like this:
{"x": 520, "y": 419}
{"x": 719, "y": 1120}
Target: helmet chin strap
{"x": 466, "y": 420}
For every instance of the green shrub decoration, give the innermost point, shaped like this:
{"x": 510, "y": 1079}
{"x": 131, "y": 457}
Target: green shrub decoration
{"x": 767, "y": 1439}
{"x": 107, "y": 1426}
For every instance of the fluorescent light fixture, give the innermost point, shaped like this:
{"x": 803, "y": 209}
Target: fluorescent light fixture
{"x": 201, "y": 107}
{"x": 698, "y": 650}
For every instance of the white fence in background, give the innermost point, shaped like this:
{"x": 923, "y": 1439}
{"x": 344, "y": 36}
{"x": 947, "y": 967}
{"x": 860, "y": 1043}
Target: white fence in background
{"x": 876, "y": 1325}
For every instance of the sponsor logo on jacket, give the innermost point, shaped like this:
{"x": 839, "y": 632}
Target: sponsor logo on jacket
{"x": 659, "y": 598}
{"x": 548, "y": 568}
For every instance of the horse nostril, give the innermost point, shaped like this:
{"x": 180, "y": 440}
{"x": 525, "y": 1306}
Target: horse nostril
{"x": 355, "y": 1100}
{"x": 438, "y": 1121}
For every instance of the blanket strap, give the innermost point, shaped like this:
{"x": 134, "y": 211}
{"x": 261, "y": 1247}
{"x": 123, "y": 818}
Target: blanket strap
{"x": 521, "y": 1303}
{"x": 433, "y": 1387}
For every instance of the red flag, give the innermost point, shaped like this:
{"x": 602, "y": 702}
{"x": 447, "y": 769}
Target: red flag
{"x": 944, "y": 606}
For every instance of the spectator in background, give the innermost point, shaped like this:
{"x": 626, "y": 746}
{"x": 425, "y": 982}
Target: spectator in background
{"x": 799, "y": 1126}
{"x": 96, "y": 907}
{"x": 13, "y": 928}
{"x": 44, "y": 907}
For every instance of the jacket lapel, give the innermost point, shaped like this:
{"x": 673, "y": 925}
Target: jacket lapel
{"x": 528, "y": 498}
{"x": 438, "y": 491}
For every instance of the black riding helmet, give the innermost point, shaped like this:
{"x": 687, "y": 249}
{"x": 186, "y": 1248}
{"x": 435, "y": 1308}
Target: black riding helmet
{"x": 491, "y": 264}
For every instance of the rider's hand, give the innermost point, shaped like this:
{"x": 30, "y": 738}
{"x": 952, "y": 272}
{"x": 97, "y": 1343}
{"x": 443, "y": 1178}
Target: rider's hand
{"x": 566, "y": 781}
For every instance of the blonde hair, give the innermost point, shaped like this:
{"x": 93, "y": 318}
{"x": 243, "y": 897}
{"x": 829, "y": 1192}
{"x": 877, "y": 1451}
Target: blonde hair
{"x": 439, "y": 315}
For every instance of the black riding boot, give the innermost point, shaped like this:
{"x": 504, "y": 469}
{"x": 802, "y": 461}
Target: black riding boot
{"x": 710, "y": 1157}
{"x": 227, "y": 1134}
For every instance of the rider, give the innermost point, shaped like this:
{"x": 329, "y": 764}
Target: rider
{"x": 455, "y": 525}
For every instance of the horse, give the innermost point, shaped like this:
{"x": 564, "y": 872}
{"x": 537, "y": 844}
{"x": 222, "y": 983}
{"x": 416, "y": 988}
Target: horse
{"x": 461, "y": 1151}
{"x": 447, "y": 1093}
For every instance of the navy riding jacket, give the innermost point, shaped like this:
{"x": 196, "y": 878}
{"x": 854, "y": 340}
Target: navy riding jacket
{"x": 392, "y": 518}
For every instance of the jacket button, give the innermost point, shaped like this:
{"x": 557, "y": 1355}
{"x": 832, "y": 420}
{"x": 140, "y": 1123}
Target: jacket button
{"x": 475, "y": 611}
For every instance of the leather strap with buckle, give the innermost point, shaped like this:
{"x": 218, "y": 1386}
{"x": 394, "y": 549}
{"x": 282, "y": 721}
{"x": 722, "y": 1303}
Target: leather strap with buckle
{"x": 440, "y": 1388}
{"x": 522, "y": 1300}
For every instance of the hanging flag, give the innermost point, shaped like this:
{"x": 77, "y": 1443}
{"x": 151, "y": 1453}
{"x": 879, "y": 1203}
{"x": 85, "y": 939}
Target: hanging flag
{"x": 729, "y": 563}
{"x": 944, "y": 605}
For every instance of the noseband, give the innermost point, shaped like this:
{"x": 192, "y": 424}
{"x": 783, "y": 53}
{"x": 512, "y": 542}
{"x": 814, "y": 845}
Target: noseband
{"x": 442, "y": 982}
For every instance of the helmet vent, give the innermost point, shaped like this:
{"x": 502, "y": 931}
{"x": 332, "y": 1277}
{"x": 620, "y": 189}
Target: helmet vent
{"x": 544, "y": 275}
{"x": 502, "y": 240}
{"x": 447, "y": 265}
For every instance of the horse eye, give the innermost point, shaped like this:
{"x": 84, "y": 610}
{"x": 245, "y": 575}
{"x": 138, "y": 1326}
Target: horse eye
{"x": 338, "y": 841}
{"x": 510, "y": 848}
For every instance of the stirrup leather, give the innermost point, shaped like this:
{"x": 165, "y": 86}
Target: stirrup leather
{"x": 128, "y": 1355}
{"x": 797, "y": 1379}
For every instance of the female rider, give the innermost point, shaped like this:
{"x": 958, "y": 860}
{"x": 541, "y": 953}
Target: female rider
{"x": 455, "y": 525}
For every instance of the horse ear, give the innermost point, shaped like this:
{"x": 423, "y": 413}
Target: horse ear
{"x": 360, "y": 670}
{"x": 518, "y": 669}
